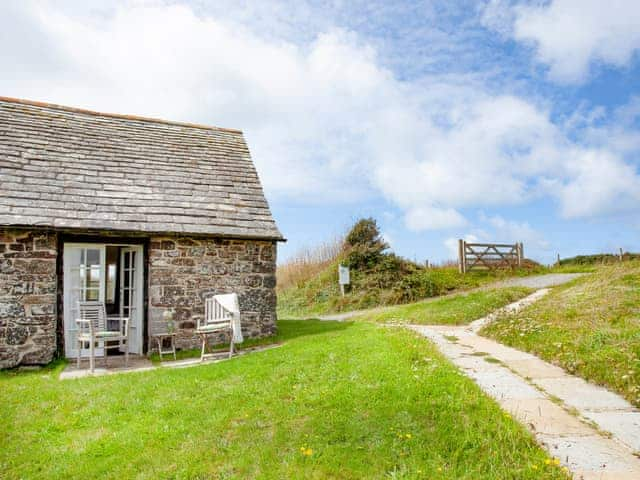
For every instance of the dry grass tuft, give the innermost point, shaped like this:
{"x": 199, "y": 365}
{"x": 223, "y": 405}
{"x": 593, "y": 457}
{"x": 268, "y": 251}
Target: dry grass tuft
{"x": 309, "y": 262}
{"x": 445, "y": 264}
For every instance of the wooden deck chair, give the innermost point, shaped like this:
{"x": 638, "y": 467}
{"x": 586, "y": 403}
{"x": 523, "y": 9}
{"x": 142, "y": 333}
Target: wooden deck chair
{"x": 93, "y": 329}
{"x": 221, "y": 315}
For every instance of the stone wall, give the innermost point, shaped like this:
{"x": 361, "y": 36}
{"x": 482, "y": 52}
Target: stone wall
{"x": 27, "y": 297}
{"x": 185, "y": 270}
{"x": 182, "y": 271}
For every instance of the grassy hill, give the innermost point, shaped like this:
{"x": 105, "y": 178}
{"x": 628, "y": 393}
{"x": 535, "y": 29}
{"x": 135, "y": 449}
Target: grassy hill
{"x": 308, "y": 284}
{"x": 320, "y": 294}
{"x": 459, "y": 309}
{"x": 598, "y": 259}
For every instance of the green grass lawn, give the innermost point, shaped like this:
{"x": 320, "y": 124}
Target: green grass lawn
{"x": 337, "y": 400}
{"x": 590, "y": 327}
{"x": 248, "y": 344}
{"x": 452, "y": 310}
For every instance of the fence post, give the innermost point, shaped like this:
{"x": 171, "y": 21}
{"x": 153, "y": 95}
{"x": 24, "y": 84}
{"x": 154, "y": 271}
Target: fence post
{"x": 461, "y": 256}
{"x": 621, "y": 254}
{"x": 520, "y": 253}
{"x": 464, "y": 256}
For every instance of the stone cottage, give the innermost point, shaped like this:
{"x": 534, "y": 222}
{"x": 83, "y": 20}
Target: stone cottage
{"x": 146, "y": 215}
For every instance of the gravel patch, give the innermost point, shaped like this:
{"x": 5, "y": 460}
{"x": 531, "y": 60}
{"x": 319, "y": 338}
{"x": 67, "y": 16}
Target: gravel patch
{"x": 538, "y": 281}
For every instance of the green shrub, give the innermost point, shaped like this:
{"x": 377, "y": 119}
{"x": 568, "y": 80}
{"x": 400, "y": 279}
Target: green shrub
{"x": 606, "y": 258}
{"x": 426, "y": 283}
{"x": 365, "y": 244}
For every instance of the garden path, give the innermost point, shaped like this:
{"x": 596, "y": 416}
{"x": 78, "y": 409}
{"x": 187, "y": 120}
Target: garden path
{"x": 590, "y": 430}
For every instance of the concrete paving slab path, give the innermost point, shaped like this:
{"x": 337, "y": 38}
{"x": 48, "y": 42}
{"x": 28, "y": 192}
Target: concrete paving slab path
{"x": 592, "y": 431}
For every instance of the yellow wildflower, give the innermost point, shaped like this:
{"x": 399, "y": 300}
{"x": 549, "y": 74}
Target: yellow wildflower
{"x": 547, "y": 461}
{"x": 408, "y": 435}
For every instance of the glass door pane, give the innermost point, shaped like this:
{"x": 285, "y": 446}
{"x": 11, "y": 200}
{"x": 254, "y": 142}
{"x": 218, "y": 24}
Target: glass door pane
{"x": 129, "y": 295}
{"x": 84, "y": 278}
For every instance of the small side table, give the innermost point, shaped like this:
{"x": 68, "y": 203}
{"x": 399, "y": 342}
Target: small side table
{"x": 160, "y": 338}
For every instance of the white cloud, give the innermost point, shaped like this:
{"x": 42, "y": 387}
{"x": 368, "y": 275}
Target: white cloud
{"x": 511, "y": 231}
{"x": 497, "y": 229}
{"x": 451, "y": 244}
{"x": 388, "y": 238}
{"x": 498, "y": 15}
{"x": 325, "y": 121}
{"x": 600, "y": 184}
{"x": 433, "y": 218}
{"x": 571, "y": 35}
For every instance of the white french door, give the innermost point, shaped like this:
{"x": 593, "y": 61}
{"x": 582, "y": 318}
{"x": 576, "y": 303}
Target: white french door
{"x": 131, "y": 294}
{"x": 84, "y": 279}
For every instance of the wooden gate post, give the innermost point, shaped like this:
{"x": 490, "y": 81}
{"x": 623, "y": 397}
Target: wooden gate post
{"x": 462, "y": 267}
{"x": 520, "y": 249}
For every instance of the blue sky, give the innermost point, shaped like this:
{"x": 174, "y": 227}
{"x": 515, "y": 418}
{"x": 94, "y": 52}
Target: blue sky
{"x": 492, "y": 120}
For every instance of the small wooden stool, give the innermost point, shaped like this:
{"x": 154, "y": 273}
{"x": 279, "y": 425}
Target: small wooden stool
{"x": 160, "y": 338}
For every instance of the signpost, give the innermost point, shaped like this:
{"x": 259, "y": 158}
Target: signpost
{"x": 343, "y": 277}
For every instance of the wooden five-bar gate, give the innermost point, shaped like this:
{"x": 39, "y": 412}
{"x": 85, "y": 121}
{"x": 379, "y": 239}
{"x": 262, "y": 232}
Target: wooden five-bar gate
{"x": 488, "y": 255}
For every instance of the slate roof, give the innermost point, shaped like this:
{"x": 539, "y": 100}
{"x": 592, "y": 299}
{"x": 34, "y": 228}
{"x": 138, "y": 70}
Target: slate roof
{"x": 70, "y": 168}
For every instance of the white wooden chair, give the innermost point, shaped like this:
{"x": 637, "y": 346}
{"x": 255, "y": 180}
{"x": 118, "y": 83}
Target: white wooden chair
{"x": 221, "y": 315}
{"x": 93, "y": 328}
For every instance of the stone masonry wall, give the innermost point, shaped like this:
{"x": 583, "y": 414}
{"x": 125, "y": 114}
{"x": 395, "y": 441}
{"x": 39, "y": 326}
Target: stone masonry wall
{"x": 27, "y": 297}
{"x": 185, "y": 270}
